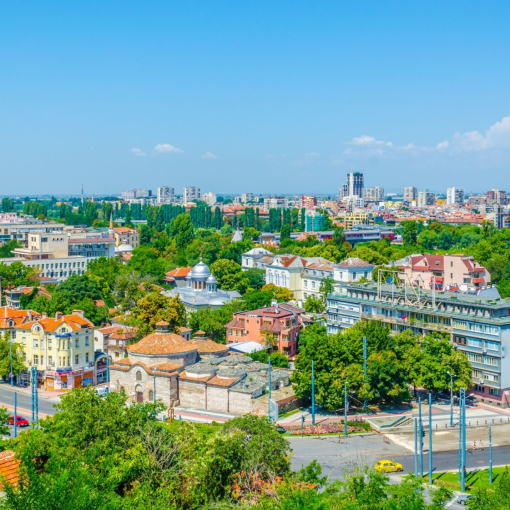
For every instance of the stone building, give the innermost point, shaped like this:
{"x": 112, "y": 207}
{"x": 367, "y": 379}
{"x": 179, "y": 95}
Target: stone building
{"x": 197, "y": 373}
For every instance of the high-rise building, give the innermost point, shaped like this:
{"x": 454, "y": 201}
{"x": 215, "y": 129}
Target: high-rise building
{"x": 343, "y": 192}
{"x": 426, "y": 198}
{"x": 496, "y": 196}
{"x": 308, "y": 201}
{"x": 410, "y": 194}
{"x": 455, "y": 196}
{"x": 209, "y": 198}
{"x": 136, "y": 193}
{"x": 246, "y": 197}
{"x": 375, "y": 194}
{"x": 276, "y": 203}
{"x": 165, "y": 195}
{"x": 355, "y": 184}
{"x": 189, "y": 194}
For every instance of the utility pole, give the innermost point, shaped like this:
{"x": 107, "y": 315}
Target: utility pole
{"x": 35, "y": 403}
{"x": 463, "y": 439}
{"x": 154, "y": 389}
{"x": 416, "y": 449}
{"x": 15, "y": 414}
{"x": 11, "y": 375}
{"x": 313, "y": 397}
{"x": 430, "y": 438}
{"x": 269, "y": 394}
{"x": 421, "y": 439}
{"x": 345, "y": 409}
{"x": 490, "y": 455}
{"x": 451, "y": 397}
{"x": 365, "y": 402}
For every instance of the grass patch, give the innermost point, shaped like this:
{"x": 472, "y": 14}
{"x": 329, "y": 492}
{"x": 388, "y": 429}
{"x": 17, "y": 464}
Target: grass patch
{"x": 475, "y": 479}
{"x": 290, "y": 413}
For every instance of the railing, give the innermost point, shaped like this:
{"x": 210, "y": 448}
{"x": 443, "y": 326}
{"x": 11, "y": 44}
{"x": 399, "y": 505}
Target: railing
{"x": 407, "y": 322}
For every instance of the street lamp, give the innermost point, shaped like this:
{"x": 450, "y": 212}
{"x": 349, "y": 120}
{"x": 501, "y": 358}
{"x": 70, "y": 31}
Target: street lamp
{"x": 1, "y": 278}
{"x": 451, "y": 397}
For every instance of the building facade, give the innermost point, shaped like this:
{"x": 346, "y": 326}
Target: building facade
{"x": 455, "y": 196}
{"x": 190, "y": 193}
{"x": 275, "y": 326}
{"x": 375, "y": 194}
{"x": 426, "y": 198}
{"x": 62, "y": 349}
{"x": 410, "y": 194}
{"x": 477, "y": 324}
{"x": 209, "y": 198}
{"x": 165, "y": 195}
{"x": 125, "y": 235}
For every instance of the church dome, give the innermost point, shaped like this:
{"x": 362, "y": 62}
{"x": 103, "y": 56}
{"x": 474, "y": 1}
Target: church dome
{"x": 201, "y": 270}
{"x": 211, "y": 279}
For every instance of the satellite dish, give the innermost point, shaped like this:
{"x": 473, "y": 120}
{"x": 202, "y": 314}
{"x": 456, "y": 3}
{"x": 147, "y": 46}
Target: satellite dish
{"x": 389, "y": 281}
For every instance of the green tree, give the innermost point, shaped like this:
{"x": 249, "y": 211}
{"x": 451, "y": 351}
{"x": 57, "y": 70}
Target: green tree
{"x": 155, "y": 307}
{"x": 229, "y": 275}
{"x": 256, "y": 277}
{"x": 410, "y": 233}
{"x": 281, "y": 294}
{"x": 5, "y": 357}
{"x": 182, "y": 230}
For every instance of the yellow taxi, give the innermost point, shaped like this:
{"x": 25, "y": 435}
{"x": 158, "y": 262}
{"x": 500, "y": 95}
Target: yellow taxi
{"x": 388, "y": 466}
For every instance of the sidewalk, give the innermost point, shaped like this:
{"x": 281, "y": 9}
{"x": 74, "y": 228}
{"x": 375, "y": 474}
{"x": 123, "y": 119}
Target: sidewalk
{"x": 48, "y": 395}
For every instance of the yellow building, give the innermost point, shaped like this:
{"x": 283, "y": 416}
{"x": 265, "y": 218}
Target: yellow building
{"x": 358, "y": 218}
{"x": 124, "y": 235}
{"x": 62, "y": 349}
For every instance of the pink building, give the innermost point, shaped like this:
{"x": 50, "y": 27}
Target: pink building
{"x": 277, "y": 325}
{"x": 447, "y": 270}
{"x": 9, "y": 217}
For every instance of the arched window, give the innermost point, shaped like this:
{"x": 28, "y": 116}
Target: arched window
{"x": 139, "y": 376}
{"x": 122, "y": 389}
{"x": 151, "y": 395}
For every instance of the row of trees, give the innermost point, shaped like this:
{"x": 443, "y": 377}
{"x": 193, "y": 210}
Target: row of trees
{"x": 393, "y": 364}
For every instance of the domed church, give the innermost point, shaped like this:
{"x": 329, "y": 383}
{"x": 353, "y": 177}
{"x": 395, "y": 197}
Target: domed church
{"x": 201, "y": 290}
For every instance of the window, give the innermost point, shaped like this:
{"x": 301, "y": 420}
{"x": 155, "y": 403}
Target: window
{"x": 77, "y": 343}
{"x": 491, "y": 377}
{"x": 230, "y": 332}
{"x": 492, "y": 346}
{"x": 50, "y": 343}
{"x": 151, "y": 395}
{"x": 473, "y": 342}
{"x": 117, "y": 355}
{"x": 139, "y": 376}
{"x": 305, "y": 284}
{"x": 50, "y": 360}
{"x": 87, "y": 357}
{"x": 77, "y": 359}
{"x": 474, "y": 357}
{"x": 476, "y": 373}
{"x": 494, "y": 391}
{"x": 490, "y": 360}
{"x": 36, "y": 343}
{"x": 479, "y": 388}
{"x": 86, "y": 341}
{"x": 42, "y": 360}
{"x": 36, "y": 359}
{"x": 461, "y": 340}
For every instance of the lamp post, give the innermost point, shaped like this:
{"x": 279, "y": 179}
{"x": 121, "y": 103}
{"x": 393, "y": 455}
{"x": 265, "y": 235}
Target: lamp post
{"x": 345, "y": 409}
{"x": 490, "y": 455}
{"x": 421, "y": 439}
{"x": 365, "y": 401}
{"x": 269, "y": 394}
{"x": 313, "y": 397}
{"x": 430, "y": 438}
{"x": 416, "y": 449}
{"x": 15, "y": 414}
{"x": 11, "y": 375}
{"x": 451, "y": 397}
{"x": 1, "y": 278}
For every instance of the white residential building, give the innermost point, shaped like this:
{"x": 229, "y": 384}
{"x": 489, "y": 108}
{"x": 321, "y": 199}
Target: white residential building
{"x": 246, "y": 197}
{"x": 209, "y": 198}
{"x": 426, "y": 198}
{"x": 190, "y": 193}
{"x": 165, "y": 195}
{"x": 276, "y": 203}
{"x": 375, "y": 194}
{"x": 455, "y": 196}
{"x": 410, "y": 194}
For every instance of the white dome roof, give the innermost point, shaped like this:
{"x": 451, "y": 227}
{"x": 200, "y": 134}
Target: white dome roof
{"x": 201, "y": 270}
{"x": 211, "y": 279}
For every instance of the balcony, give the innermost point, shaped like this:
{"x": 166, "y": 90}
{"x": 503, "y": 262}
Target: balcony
{"x": 406, "y": 322}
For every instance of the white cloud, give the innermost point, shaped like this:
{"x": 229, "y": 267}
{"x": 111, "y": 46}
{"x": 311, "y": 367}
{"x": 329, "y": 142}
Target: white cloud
{"x": 497, "y": 136}
{"x": 209, "y": 155}
{"x": 441, "y": 146}
{"x": 166, "y": 147}
{"x": 368, "y": 141}
{"x": 312, "y": 155}
{"x": 137, "y": 152}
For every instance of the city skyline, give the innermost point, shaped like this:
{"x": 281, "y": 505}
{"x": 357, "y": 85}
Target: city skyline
{"x": 206, "y": 94}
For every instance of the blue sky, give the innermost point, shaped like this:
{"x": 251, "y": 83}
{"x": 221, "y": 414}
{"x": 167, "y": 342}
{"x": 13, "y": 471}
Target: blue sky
{"x": 265, "y": 96}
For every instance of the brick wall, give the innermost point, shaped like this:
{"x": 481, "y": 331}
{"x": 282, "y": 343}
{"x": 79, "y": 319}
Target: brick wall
{"x": 192, "y": 394}
{"x": 239, "y": 403}
{"x": 217, "y": 398}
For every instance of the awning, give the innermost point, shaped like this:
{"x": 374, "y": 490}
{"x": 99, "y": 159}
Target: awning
{"x": 478, "y": 280}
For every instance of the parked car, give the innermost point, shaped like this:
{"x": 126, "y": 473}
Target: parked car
{"x": 20, "y": 421}
{"x": 463, "y": 499}
{"x": 388, "y": 466}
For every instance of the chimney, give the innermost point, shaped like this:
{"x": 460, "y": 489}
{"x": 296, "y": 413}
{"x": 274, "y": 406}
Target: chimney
{"x": 29, "y": 312}
{"x": 44, "y": 315}
{"x": 274, "y": 303}
{"x": 58, "y": 315}
{"x": 80, "y": 313}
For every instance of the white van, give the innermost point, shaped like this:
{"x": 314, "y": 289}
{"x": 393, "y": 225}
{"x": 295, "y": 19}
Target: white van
{"x": 103, "y": 391}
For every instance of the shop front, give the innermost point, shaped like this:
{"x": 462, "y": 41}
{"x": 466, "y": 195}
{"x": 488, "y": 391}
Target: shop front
{"x": 64, "y": 381}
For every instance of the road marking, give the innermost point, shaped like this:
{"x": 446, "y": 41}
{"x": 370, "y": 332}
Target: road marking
{"x": 399, "y": 442}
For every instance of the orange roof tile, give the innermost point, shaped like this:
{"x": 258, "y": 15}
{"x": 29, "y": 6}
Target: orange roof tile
{"x": 9, "y": 467}
{"x": 161, "y": 343}
{"x": 222, "y": 381}
{"x": 74, "y": 321}
{"x": 180, "y": 272}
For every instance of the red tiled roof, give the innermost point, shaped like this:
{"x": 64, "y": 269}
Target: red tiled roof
{"x": 180, "y": 272}
{"x": 161, "y": 343}
{"x": 9, "y": 468}
{"x": 74, "y": 321}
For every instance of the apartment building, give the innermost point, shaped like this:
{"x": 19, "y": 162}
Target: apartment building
{"x": 209, "y": 198}
{"x": 20, "y": 231}
{"x": 358, "y": 218}
{"x": 247, "y": 197}
{"x": 496, "y": 196}
{"x": 164, "y": 195}
{"x": 136, "y": 193}
{"x": 314, "y": 221}
{"x": 477, "y": 323}
{"x": 375, "y": 194}
{"x": 11, "y": 317}
{"x": 410, "y": 194}
{"x": 276, "y": 203}
{"x": 426, "y": 198}
{"x": 124, "y": 235}
{"x": 275, "y": 326}
{"x": 308, "y": 201}
{"x": 355, "y": 184}
{"x": 455, "y": 196}
{"x": 189, "y": 194}
{"x": 62, "y": 349}
{"x": 9, "y": 217}
{"x": 445, "y": 271}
